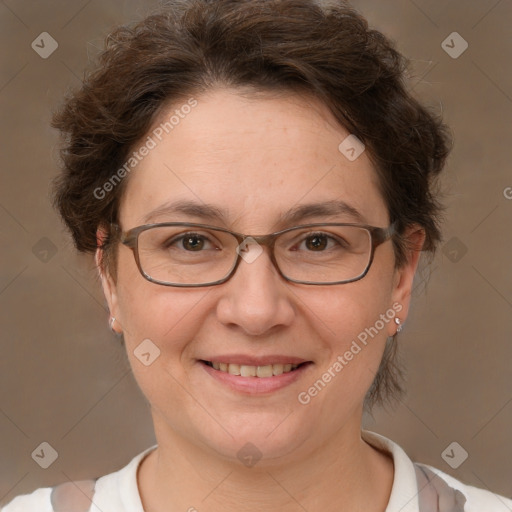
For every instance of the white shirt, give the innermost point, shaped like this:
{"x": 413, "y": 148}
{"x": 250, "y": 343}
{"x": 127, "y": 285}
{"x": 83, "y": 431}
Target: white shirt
{"x": 118, "y": 491}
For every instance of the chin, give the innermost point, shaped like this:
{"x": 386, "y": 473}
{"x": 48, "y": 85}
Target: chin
{"x": 263, "y": 438}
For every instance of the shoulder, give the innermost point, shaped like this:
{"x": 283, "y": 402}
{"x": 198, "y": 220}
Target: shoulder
{"x": 114, "y": 491}
{"x": 420, "y": 488}
{"x": 477, "y": 499}
{"x": 38, "y": 501}
{"x": 68, "y": 496}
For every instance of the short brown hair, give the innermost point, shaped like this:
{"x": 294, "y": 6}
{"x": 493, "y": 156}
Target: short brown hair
{"x": 324, "y": 49}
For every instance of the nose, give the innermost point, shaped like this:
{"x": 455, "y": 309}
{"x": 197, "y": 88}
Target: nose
{"x": 256, "y": 299}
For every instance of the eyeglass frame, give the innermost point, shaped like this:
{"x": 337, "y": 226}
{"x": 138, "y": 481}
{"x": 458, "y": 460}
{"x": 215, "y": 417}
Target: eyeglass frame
{"x": 130, "y": 239}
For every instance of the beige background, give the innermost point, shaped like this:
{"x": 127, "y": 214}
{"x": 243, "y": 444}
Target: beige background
{"x": 63, "y": 376}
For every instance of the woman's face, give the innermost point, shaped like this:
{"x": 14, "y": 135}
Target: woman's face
{"x": 255, "y": 160}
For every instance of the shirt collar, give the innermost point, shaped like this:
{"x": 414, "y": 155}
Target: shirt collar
{"x": 404, "y": 493}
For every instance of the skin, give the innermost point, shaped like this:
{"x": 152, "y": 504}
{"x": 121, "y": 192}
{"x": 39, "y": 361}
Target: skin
{"x": 258, "y": 157}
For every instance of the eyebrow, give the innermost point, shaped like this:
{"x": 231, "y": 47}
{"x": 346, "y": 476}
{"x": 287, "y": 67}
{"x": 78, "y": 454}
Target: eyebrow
{"x": 209, "y": 212}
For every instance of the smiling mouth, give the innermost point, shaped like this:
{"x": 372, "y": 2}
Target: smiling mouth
{"x": 269, "y": 370}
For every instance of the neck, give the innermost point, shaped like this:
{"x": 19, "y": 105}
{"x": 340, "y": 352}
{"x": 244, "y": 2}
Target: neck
{"x": 344, "y": 474}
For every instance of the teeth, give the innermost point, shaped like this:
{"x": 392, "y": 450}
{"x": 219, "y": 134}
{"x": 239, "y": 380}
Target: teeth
{"x": 277, "y": 369}
{"x": 248, "y": 371}
{"x": 254, "y": 371}
{"x": 234, "y": 369}
{"x": 264, "y": 371}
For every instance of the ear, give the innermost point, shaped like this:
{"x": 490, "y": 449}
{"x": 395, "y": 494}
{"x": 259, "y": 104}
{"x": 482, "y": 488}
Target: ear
{"x": 404, "y": 276}
{"x": 107, "y": 282}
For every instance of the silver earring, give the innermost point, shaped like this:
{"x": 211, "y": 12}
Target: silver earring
{"x": 111, "y": 325}
{"x": 398, "y": 324}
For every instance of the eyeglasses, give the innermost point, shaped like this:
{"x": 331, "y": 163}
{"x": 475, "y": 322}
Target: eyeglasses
{"x": 189, "y": 255}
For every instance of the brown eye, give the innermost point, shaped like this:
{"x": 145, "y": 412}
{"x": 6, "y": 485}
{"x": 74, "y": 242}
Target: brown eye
{"x": 189, "y": 242}
{"x": 316, "y": 242}
{"x": 193, "y": 243}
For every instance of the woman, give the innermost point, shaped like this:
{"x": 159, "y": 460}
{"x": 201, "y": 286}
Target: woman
{"x": 257, "y": 186}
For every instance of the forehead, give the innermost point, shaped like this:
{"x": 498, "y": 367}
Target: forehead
{"x": 253, "y": 159}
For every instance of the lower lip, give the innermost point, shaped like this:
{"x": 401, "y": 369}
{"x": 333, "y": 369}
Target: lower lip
{"x": 256, "y": 385}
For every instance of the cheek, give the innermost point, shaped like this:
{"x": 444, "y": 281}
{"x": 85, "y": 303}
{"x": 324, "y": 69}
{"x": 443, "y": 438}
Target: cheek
{"x": 352, "y": 322}
{"x": 157, "y": 319}
{"x": 352, "y": 346}
{"x": 342, "y": 313}
{"x": 160, "y": 324}
{"x": 161, "y": 313}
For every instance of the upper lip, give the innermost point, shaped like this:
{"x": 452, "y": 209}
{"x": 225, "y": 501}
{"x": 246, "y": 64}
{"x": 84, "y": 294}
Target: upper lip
{"x": 249, "y": 360}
